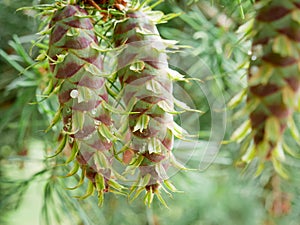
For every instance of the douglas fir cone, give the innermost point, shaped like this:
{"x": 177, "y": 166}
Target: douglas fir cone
{"x": 147, "y": 94}
{"x": 77, "y": 67}
{"x": 274, "y": 79}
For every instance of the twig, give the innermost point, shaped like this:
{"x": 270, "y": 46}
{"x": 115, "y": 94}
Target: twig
{"x": 92, "y": 3}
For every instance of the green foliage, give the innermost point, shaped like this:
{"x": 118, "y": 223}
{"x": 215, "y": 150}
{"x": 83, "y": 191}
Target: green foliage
{"x": 12, "y": 21}
{"x": 19, "y": 104}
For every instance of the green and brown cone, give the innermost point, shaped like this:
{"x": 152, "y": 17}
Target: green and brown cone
{"x": 77, "y": 67}
{"x": 274, "y": 79}
{"x": 147, "y": 89}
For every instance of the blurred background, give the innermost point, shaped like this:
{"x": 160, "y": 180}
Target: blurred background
{"x": 216, "y": 193}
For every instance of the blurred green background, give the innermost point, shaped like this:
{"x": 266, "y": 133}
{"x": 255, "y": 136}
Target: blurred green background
{"x": 215, "y": 194}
